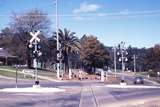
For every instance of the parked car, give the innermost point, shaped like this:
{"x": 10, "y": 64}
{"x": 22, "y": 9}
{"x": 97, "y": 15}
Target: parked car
{"x": 138, "y": 80}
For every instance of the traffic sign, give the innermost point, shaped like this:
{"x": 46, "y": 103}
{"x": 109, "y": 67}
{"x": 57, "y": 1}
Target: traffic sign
{"x": 34, "y": 36}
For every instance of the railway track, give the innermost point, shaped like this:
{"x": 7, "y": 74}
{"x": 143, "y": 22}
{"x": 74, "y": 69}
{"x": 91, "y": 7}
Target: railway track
{"x": 88, "y": 98}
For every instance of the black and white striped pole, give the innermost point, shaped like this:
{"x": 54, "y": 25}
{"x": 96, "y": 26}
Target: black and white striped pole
{"x": 57, "y": 37}
{"x": 34, "y": 41}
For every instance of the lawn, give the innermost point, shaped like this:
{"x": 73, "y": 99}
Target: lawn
{"x": 11, "y": 74}
{"x": 47, "y": 74}
{"x": 9, "y": 71}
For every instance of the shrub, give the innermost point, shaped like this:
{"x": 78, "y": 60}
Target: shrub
{"x": 152, "y": 73}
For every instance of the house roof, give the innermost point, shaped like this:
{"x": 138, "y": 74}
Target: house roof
{"x": 5, "y": 54}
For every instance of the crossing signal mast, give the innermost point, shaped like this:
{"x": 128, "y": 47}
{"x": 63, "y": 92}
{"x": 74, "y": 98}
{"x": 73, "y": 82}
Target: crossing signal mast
{"x": 123, "y": 58}
{"x": 36, "y": 52}
{"x": 57, "y": 37}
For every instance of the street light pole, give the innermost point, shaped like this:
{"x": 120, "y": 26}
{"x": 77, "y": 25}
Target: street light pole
{"x": 16, "y": 75}
{"x": 122, "y": 64}
{"x": 134, "y": 57}
{"x": 57, "y": 27}
{"x": 115, "y": 63}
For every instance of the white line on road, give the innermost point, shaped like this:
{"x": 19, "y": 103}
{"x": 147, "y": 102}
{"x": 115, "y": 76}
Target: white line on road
{"x": 132, "y": 86}
{"x": 132, "y": 102}
{"x": 33, "y": 90}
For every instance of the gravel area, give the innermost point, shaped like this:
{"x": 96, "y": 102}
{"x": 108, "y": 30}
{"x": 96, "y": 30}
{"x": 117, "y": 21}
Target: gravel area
{"x": 155, "y": 103}
{"x": 152, "y": 103}
{"x": 111, "y": 80}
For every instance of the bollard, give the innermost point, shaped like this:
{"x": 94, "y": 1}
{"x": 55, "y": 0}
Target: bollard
{"x": 102, "y": 75}
{"x": 70, "y": 74}
{"x": 80, "y": 74}
{"x": 36, "y": 82}
{"x": 106, "y": 76}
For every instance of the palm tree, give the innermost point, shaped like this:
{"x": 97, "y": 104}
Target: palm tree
{"x": 69, "y": 44}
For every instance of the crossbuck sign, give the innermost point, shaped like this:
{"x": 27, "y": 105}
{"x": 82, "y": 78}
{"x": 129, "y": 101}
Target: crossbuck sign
{"x": 34, "y": 36}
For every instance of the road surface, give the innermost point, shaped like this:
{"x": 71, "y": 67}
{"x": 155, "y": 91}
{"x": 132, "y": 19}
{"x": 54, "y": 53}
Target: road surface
{"x": 77, "y": 94}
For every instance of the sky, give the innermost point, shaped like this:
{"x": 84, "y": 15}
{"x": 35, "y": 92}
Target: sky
{"x": 136, "y": 22}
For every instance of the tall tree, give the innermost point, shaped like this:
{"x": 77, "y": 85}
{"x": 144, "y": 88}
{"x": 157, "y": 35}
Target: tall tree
{"x": 6, "y": 36}
{"x": 32, "y": 20}
{"x": 52, "y": 56}
{"x": 93, "y": 53}
{"x": 69, "y": 44}
{"x": 152, "y": 59}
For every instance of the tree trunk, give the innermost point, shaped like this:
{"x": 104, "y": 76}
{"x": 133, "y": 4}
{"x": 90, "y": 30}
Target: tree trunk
{"x": 94, "y": 69}
{"x": 66, "y": 64}
{"x": 29, "y": 61}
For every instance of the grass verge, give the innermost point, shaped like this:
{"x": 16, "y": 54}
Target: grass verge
{"x": 10, "y": 71}
{"x": 11, "y": 74}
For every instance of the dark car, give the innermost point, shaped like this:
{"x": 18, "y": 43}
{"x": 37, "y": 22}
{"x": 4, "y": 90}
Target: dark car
{"x": 138, "y": 80}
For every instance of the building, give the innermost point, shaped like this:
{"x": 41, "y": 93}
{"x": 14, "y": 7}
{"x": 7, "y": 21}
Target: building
{"x": 6, "y": 58}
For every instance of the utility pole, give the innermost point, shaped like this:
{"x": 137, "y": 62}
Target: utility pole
{"x": 123, "y": 67}
{"x": 115, "y": 65}
{"x": 58, "y": 50}
{"x": 134, "y": 57}
{"x": 16, "y": 75}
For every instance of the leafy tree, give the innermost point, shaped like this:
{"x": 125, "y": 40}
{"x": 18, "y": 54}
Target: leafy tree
{"x": 69, "y": 44}
{"x": 131, "y": 52}
{"x": 140, "y": 60}
{"x": 93, "y": 53}
{"x": 6, "y": 36}
{"x": 152, "y": 59}
{"x": 32, "y": 20}
{"x": 110, "y": 61}
{"x": 51, "y": 51}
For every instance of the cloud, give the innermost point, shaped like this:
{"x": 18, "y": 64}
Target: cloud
{"x": 147, "y": 12}
{"x": 78, "y": 18}
{"x": 101, "y": 14}
{"x": 94, "y": 15}
{"x": 86, "y": 8}
{"x": 82, "y": 18}
{"x": 124, "y": 12}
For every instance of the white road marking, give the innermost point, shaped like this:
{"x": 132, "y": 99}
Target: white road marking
{"x": 33, "y": 90}
{"x": 131, "y": 86}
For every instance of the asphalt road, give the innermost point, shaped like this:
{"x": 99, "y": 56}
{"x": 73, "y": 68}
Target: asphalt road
{"x": 77, "y": 94}
{"x": 129, "y": 79}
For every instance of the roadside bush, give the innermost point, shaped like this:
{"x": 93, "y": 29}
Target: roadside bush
{"x": 152, "y": 73}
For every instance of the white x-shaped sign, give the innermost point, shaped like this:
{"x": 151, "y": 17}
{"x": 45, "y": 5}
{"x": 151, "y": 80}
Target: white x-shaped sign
{"x": 34, "y": 36}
